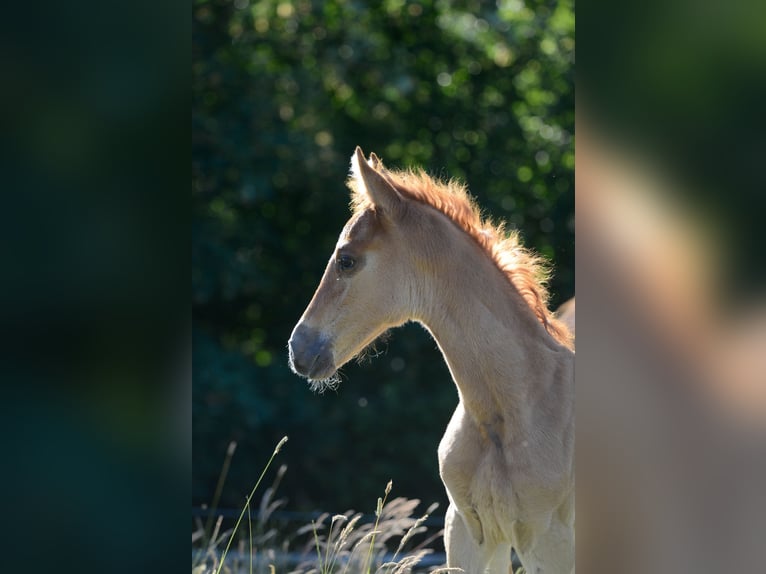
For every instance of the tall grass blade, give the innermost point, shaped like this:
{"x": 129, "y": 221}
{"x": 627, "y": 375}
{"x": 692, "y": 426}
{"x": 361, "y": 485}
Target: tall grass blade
{"x": 378, "y": 512}
{"x": 250, "y": 530}
{"x": 247, "y": 502}
{"x": 216, "y": 498}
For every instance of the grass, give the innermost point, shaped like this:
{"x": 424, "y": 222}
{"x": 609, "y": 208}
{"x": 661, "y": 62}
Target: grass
{"x": 395, "y": 543}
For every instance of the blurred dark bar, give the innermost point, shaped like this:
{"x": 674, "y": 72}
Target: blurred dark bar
{"x": 671, "y": 406}
{"x": 94, "y": 235}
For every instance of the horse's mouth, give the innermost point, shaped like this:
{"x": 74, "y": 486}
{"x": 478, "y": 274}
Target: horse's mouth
{"x": 323, "y": 368}
{"x": 321, "y": 385}
{"x": 322, "y": 374}
{"x": 320, "y": 366}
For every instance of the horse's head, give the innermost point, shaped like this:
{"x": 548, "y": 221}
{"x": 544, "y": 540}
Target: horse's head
{"x": 366, "y": 288}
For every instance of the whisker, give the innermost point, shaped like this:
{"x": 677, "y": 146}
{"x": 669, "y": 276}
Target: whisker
{"x": 321, "y": 385}
{"x": 371, "y": 351}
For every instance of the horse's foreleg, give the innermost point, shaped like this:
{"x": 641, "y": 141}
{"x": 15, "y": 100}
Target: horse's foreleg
{"x": 460, "y": 547}
{"x": 553, "y": 552}
{"x": 463, "y": 550}
{"x": 500, "y": 562}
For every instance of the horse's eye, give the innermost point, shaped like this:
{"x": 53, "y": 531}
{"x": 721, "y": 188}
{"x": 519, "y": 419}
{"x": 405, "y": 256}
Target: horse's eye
{"x": 345, "y": 262}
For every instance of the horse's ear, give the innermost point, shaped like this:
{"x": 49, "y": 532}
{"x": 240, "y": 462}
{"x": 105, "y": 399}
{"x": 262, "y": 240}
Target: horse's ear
{"x": 373, "y": 183}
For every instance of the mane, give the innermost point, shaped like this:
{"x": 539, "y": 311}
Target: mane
{"x": 526, "y": 271}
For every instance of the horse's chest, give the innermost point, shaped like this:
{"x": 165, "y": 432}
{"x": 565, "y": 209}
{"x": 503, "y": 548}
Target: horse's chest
{"x": 476, "y": 474}
{"x": 484, "y": 480}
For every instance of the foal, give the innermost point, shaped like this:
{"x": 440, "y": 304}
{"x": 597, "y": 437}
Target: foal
{"x": 416, "y": 249}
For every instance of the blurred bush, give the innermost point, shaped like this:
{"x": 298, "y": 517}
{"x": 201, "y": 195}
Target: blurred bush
{"x": 282, "y": 93}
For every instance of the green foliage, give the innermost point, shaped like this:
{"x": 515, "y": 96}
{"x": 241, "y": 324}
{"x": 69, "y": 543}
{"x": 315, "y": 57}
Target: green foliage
{"x": 282, "y": 93}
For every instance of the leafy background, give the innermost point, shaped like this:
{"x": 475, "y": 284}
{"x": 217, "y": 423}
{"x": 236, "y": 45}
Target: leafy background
{"x": 282, "y": 93}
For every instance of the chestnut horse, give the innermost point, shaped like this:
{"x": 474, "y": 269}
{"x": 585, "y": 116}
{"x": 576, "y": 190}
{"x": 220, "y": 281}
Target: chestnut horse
{"x": 417, "y": 249}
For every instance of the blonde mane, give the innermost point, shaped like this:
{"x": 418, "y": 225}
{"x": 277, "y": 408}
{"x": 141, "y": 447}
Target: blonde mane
{"x": 527, "y": 272}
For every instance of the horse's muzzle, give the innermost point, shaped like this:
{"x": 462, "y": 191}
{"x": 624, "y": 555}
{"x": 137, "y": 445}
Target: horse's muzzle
{"x": 310, "y": 353}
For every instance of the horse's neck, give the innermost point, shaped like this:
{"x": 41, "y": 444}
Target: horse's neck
{"x": 504, "y": 363}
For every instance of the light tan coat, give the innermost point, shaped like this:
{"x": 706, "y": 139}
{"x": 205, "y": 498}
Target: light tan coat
{"x": 418, "y": 250}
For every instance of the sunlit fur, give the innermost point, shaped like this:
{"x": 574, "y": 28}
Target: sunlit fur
{"x": 424, "y": 253}
{"x": 525, "y": 270}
